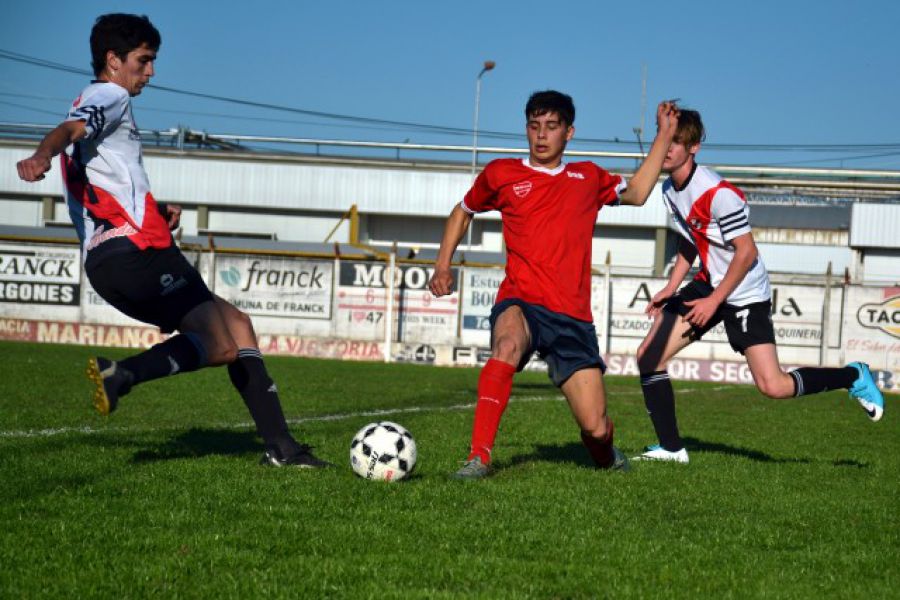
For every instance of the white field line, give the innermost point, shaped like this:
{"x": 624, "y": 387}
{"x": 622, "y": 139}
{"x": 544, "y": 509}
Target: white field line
{"x": 385, "y": 412}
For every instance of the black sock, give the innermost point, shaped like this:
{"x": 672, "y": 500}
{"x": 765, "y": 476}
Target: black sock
{"x": 249, "y": 376}
{"x": 659, "y": 398}
{"x": 178, "y": 354}
{"x": 811, "y": 380}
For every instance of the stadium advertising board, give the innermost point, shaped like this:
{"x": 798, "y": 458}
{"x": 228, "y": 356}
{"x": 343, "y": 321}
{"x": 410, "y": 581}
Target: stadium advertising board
{"x": 35, "y": 278}
{"x": 796, "y": 312}
{"x": 275, "y": 286}
{"x": 418, "y": 316}
{"x": 479, "y": 291}
{"x": 294, "y": 345}
{"x": 872, "y": 332}
{"x": 64, "y": 332}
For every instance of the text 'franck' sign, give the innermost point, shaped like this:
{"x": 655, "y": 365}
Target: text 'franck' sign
{"x": 39, "y": 275}
{"x": 276, "y": 287}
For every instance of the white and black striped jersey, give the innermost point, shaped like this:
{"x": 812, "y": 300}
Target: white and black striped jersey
{"x": 709, "y": 212}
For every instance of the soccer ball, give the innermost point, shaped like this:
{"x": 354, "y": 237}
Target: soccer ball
{"x": 383, "y": 451}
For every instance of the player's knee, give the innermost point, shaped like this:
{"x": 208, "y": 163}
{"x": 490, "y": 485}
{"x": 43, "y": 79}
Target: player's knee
{"x": 598, "y": 429}
{"x": 775, "y": 387}
{"x": 242, "y": 320}
{"x": 222, "y": 352}
{"x": 508, "y": 349}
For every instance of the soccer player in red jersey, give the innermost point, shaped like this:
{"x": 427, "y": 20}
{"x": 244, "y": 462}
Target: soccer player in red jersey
{"x": 731, "y": 286}
{"x": 129, "y": 255}
{"x": 549, "y": 209}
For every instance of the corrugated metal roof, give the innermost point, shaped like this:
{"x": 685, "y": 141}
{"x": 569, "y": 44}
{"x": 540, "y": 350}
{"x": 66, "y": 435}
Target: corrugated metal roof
{"x": 875, "y": 226}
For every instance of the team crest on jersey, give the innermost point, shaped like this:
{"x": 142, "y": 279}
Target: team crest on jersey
{"x": 522, "y": 189}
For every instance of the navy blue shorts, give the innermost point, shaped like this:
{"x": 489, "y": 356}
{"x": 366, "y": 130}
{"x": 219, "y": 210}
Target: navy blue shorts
{"x": 159, "y": 287}
{"x": 565, "y": 343}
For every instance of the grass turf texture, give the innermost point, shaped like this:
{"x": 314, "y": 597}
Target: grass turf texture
{"x": 794, "y": 498}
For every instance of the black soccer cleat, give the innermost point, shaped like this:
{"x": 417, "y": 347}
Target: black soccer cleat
{"x": 303, "y": 459}
{"x": 110, "y": 383}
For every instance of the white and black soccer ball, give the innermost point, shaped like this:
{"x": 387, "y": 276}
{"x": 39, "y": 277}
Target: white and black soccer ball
{"x": 383, "y": 451}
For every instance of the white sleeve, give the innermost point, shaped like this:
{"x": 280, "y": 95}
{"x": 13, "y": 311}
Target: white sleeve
{"x": 732, "y": 214}
{"x": 101, "y": 108}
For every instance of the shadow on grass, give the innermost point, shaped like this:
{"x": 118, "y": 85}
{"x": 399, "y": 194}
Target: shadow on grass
{"x": 694, "y": 444}
{"x": 197, "y": 442}
{"x": 572, "y": 452}
{"x": 575, "y": 453}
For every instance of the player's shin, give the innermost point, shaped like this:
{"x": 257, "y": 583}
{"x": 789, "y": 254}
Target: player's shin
{"x": 659, "y": 398}
{"x": 494, "y": 388}
{"x": 251, "y": 379}
{"x": 600, "y": 449}
{"x": 180, "y": 353}
{"x": 811, "y": 380}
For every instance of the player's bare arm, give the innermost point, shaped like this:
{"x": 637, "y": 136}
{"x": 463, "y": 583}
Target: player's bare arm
{"x": 641, "y": 184}
{"x": 34, "y": 167}
{"x": 745, "y": 254}
{"x": 458, "y": 222}
{"x": 687, "y": 253}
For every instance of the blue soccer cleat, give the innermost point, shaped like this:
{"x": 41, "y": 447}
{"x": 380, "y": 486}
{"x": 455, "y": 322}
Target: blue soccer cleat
{"x": 866, "y": 392}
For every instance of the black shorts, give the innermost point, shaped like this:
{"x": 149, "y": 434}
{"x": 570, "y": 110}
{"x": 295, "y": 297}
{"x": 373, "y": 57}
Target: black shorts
{"x": 155, "y": 286}
{"x": 745, "y": 326}
{"x": 565, "y": 343}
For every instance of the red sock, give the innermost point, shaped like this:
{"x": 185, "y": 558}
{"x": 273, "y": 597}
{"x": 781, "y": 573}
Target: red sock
{"x": 494, "y": 387}
{"x": 600, "y": 449}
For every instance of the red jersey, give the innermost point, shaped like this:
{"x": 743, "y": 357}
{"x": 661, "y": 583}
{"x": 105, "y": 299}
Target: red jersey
{"x": 548, "y": 225}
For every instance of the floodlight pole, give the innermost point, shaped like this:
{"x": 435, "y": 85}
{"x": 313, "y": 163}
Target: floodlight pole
{"x": 488, "y": 65}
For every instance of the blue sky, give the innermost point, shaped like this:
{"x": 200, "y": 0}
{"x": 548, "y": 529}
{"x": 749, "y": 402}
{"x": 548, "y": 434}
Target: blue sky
{"x": 761, "y": 73}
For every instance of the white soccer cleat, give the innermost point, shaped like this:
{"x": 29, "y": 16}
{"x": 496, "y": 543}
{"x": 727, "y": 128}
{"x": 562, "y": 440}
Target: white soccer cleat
{"x": 657, "y": 452}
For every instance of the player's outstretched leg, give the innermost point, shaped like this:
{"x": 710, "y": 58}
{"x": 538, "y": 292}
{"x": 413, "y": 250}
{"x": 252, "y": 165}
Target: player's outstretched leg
{"x": 586, "y": 396}
{"x": 112, "y": 380}
{"x": 773, "y": 382}
{"x": 110, "y": 383}
{"x": 866, "y": 392}
{"x": 494, "y": 389}
{"x": 604, "y": 452}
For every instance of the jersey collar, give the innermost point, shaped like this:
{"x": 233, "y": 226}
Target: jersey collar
{"x": 686, "y": 181}
{"x": 556, "y": 171}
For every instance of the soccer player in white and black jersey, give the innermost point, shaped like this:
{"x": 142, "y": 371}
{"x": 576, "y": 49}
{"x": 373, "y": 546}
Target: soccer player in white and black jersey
{"x": 731, "y": 286}
{"x": 129, "y": 255}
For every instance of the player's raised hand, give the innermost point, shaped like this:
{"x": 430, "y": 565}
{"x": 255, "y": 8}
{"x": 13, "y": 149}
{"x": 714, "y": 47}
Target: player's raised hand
{"x": 33, "y": 168}
{"x": 441, "y": 282}
{"x": 702, "y": 310}
{"x": 667, "y": 117}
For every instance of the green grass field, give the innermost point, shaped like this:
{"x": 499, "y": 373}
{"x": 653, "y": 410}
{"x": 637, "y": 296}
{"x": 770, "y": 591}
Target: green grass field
{"x": 791, "y": 499}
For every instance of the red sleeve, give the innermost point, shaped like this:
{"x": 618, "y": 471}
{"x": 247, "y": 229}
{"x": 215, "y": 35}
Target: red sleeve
{"x": 483, "y": 195}
{"x": 609, "y": 188}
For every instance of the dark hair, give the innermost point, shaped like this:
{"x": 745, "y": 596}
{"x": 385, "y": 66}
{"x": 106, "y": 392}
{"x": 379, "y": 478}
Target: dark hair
{"x": 690, "y": 128}
{"x": 120, "y": 33}
{"x": 541, "y": 103}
